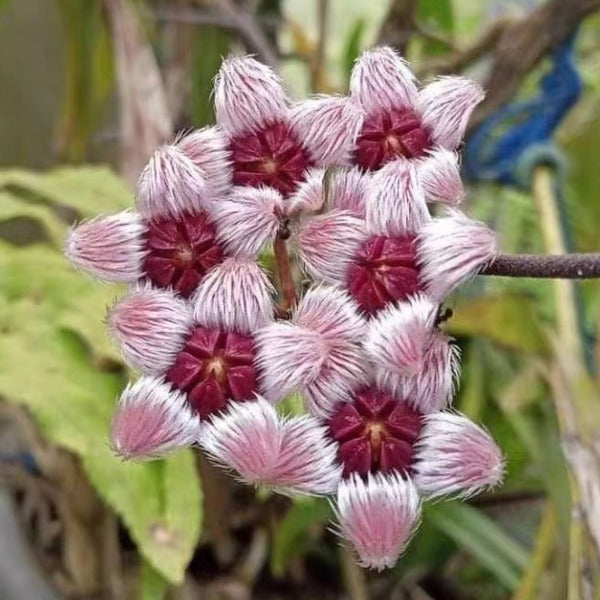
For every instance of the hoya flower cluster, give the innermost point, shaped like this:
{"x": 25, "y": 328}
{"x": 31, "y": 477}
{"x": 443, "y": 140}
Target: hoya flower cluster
{"x": 342, "y": 185}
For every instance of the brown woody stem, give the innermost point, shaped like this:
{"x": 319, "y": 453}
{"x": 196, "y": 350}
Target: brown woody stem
{"x": 552, "y": 266}
{"x": 284, "y": 273}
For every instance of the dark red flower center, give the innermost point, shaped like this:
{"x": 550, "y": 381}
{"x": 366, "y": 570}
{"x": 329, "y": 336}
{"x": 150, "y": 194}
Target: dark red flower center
{"x": 180, "y": 251}
{"x": 376, "y": 432}
{"x": 272, "y": 156}
{"x": 214, "y": 367}
{"x": 388, "y": 134}
{"x": 383, "y": 271}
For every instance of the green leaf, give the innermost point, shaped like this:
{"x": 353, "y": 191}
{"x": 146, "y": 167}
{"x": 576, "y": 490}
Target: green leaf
{"x": 352, "y": 47}
{"x": 508, "y": 319}
{"x": 479, "y": 535}
{"x": 290, "y": 537}
{"x": 436, "y": 16}
{"x": 53, "y": 359}
{"x": 209, "y": 45}
{"x": 152, "y": 585}
{"x": 87, "y": 191}
{"x": 47, "y": 369}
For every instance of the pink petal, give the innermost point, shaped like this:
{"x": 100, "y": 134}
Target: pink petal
{"x": 342, "y": 190}
{"x": 440, "y": 177}
{"x": 318, "y": 353}
{"x": 171, "y": 185}
{"x": 111, "y": 248}
{"x": 328, "y": 127}
{"x": 289, "y": 454}
{"x": 413, "y": 359}
{"x": 151, "y": 420}
{"x": 377, "y": 517}
{"x": 455, "y": 456}
{"x": 248, "y": 218}
{"x": 399, "y": 336}
{"x": 208, "y": 149}
{"x": 151, "y": 327}
{"x": 395, "y": 200}
{"x": 445, "y": 107}
{"x": 381, "y": 79}
{"x": 248, "y": 95}
{"x": 328, "y": 243}
{"x": 289, "y": 358}
{"x": 451, "y": 250}
{"x": 236, "y": 295}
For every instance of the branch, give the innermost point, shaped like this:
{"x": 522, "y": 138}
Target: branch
{"x": 284, "y": 273}
{"x": 522, "y": 44}
{"x": 552, "y": 266}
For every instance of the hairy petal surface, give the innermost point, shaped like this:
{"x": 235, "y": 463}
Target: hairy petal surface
{"x": 208, "y": 149}
{"x": 451, "y": 250}
{"x": 328, "y": 243}
{"x": 318, "y": 353}
{"x": 336, "y": 190}
{"x": 382, "y": 79}
{"x": 400, "y": 335}
{"x": 328, "y": 127}
{"x": 440, "y": 177}
{"x": 249, "y": 218}
{"x": 445, "y": 105}
{"x": 248, "y": 95}
{"x": 395, "y": 203}
{"x": 171, "y": 185}
{"x": 150, "y": 327}
{"x": 288, "y": 454}
{"x": 236, "y": 295}
{"x": 111, "y": 248}
{"x": 454, "y": 456}
{"x": 377, "y": 517}
{"x": 151, "y": 419}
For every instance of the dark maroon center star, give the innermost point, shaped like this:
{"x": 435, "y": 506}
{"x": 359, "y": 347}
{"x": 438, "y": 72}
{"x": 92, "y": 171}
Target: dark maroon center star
{"x": 213, "y": 368}
{"x": 272, "y": 156}
{"x": 384, "y": 270}
{"x": 388, "y": 134}
{"x": 376, "y": 432}
{"x": 180, "y": 252}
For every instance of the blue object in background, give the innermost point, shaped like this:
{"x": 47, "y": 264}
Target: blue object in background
{"x": 494, "y": 150}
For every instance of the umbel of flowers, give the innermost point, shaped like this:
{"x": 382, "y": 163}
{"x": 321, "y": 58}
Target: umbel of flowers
{"x": 340, "y": 186}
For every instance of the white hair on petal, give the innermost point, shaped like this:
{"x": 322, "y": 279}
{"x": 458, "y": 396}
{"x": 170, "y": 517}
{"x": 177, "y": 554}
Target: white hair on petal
{"x": 248, "y": 95}
{"x": 150, "y": 326}
{"x": 445, "y": 106}
{"x": 344, "y": 189}
{"x": 208, "y": 149}
{"x": 171, "y": 185}
{"x": 235, "y": 295}
{"x": 248, "y": 218}
{"x": 317, "y": 353}
{"x": 399, "y": 336}
{"x": 109, "y": 247}
{"x": 151, "y": 420}
{"x": 377, "y": 517}
{"x": 327, "y": 127}
{"x": 328, "y": 243}
{"x": 440, "y": 177}
{"x": 382, "y": 79}
{"x": 451, "y": 250}
{"x": 395, "y": 203}
{"x": 453, "y": 456}
{"x": 289, "y": 454}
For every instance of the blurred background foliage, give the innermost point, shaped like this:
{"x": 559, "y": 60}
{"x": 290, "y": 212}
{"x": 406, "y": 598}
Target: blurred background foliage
{"x": 88, "y": 89}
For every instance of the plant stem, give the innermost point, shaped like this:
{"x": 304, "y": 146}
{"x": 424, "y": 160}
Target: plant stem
{"x": 551, "y": 266}
{"x": 286, "y": 282}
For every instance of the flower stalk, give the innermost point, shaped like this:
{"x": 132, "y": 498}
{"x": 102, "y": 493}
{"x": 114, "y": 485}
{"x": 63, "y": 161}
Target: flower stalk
{"x": 284, "y": 274}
